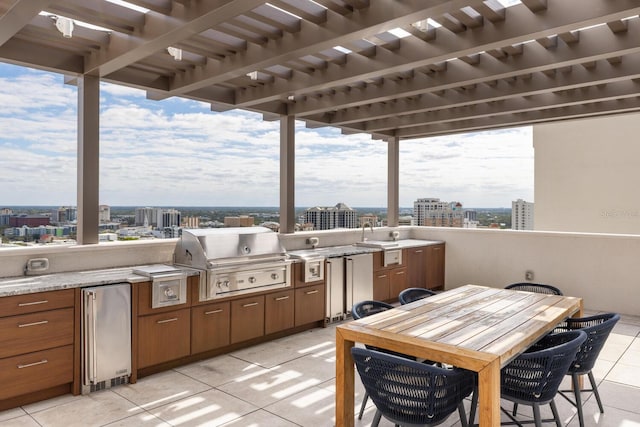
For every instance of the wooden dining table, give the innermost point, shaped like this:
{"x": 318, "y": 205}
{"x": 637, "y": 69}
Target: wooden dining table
{"x": 473, "y": 327}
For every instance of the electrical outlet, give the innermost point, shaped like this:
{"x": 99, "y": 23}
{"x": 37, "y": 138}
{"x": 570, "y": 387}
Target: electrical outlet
{"x": 528, "y": 275}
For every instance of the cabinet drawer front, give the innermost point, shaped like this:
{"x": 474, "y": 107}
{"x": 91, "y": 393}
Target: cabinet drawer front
{"x": 31, "y": 303}
{"x": 36, "y": 331}
{"x": 163, "y": 337}
{"x": 210, "y": 327}
{"x": 278, "y": 311}
{"x": 36, "y": 371}
{"x": 247, "y": 318}
{"x": 310, "y": 305}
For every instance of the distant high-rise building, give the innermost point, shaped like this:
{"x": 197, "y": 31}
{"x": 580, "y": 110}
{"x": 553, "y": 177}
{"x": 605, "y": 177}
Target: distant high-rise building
{"x": 433, "y": 212}
{"x": 471, "y": 215}
{"x": 157, "y": 217}
{"x": 521, "y": 215}
{"x": 369, "y": 219}
{"x": 191, "y": 222}
{"x": 104, "y": 213}
{"x": 239, "y": 221}
{"x": 327, "y": 218}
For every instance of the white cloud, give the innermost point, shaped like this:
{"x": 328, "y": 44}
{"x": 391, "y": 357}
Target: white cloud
{"x": 177, "y": 152}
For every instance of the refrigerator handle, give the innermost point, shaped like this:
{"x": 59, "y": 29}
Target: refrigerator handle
{"x": 91, "y": 361}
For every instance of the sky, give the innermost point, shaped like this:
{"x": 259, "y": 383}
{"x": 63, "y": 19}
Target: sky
{"x": 178, "y": 152}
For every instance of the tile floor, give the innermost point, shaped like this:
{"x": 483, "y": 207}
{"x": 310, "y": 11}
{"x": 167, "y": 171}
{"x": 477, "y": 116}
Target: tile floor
{"x": 291, "y": 382}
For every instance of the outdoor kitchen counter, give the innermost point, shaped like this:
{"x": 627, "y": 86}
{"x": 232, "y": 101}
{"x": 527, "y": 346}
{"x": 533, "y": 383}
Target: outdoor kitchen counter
{"x": 347, "y": 250}
{"x": 51, "y": 282}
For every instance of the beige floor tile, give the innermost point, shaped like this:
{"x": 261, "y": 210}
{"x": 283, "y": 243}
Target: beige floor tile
{"x": 631, "y": 358}
{"x": 50, "y": 403}
{"x": 95, "y": 409}
{"x": 219, "y": 370}
{"x": 20, "y": 421}
{"x": 619, "y": 396}
{"x": 160, "y": 389}
{"x": 612, "y": 417}
{"x": 625, "y": 374}
{"x": 615, "y": 346}
{"x": 260, "y": 418}
{"x": 268, "y": 386}
{"x": 11, "y": 413}
{"x": 314, "y": 406}
{"x": 267, "y": 355}
{"x": 210, "y": 408}
{"x": 144, "y": 419}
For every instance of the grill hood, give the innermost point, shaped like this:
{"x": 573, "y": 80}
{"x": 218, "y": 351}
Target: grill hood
{"x": 214, "y": 247}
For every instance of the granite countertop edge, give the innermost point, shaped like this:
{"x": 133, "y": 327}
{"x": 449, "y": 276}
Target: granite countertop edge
{"x": 19, "y": 285}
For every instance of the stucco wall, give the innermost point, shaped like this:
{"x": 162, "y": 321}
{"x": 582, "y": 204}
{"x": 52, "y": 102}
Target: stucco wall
{"x": 587, "y": 175}
{"x": 602, "y": 269}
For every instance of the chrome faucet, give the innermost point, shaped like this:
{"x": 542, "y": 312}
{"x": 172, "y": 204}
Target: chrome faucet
{"x": 364, "y": 226}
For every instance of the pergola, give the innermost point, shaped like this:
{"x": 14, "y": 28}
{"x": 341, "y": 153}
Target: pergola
{"x": 395, "y": 69}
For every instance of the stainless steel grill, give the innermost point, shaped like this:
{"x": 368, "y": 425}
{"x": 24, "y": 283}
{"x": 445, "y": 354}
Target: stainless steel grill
{"x": 234, "y": 260}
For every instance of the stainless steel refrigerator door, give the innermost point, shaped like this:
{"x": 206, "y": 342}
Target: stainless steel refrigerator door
{"x": 359, "y": 279}
{"x": 106, "y": 332}
{"x": 335, "y": 289}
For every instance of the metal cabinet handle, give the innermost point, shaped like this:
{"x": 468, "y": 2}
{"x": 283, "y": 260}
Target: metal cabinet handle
{"x": 28, "y": 365}
{"x": 399, "y": 273}
{"x": 167, "y": 320}
{"x": 251, "y": 304}
{"x": 315, "y": 291}
{"x": 24, "y": 304}
{"x": 24, "y": 325}
{"x": 382, "y": 276}
{"x": 281, "y": 298}
{"x": 212, "y": 312}
{"x": 419, "y": 251}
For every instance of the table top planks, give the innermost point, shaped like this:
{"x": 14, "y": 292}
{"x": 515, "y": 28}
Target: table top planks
{"x": 474, "y": 318}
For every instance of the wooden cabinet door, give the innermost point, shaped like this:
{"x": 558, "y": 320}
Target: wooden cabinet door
{"x": 28, "y": 373}
{"x": 247, "y": 318}
{"x": 416, "y": 267}
{"x": 35, "y": 331}
{"x": 310, "y": 304}
{"x": 435, "y": 267}
{"x": 398, "y": 281}
{"x": 381, "y": 282}
{"x": 163, "y": 337}
{"x": 39, "y": 301}
{"x": 210, "y": 327}
{"x": 279, "y": 311}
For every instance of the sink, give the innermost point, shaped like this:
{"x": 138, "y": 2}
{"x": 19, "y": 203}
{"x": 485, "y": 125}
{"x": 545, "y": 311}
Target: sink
{"x": 381, "y": 244}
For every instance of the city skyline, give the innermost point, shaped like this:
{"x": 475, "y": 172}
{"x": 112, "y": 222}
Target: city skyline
{"x": 177, "y": 152}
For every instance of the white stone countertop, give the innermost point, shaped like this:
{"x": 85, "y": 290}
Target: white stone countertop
{"x": 75, "y": 279}
{"x": 346, "y": 250}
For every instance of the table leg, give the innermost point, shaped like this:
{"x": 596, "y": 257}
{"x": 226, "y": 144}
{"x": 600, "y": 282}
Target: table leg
{"x": 344, "y": 382}
{"x": 489, "y": 395}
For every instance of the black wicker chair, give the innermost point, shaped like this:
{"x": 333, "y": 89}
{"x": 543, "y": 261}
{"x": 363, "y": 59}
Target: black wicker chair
{"x": 534, "y": 287}
{"x": 533, "y": 378}
{"x": 597, "y": 328}
{"x": 407, "y": 392}
{"x": 364, "y": 309}
{"x": 413, "y": 294}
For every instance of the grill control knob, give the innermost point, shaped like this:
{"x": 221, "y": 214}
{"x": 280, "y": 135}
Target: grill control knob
{"x": 225, "y": 283}
{"x": 274, "y": 276}
{"x": 252, "y": 279}
{"x": 169, "y": 293}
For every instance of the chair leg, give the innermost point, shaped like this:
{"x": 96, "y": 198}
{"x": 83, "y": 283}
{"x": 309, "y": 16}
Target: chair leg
{"x": 556, "y": 416}
{"x": 515, "y": 409}
{"x": 536, "y": 415}
{"x": 575, "y": 383}
{"x": 364, "y": 403}
{"x": 594, "y": 387}
{"x": 463, "y": 415}
{"x": 376, "y": 419}
{"x": 474, "y": 406}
